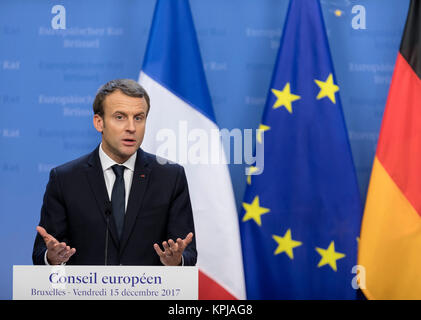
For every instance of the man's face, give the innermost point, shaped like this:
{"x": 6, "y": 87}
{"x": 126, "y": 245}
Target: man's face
{"x": 122, "y": 126}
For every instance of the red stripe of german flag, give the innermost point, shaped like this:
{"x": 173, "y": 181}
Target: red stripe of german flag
{"x": 390, "y": 242}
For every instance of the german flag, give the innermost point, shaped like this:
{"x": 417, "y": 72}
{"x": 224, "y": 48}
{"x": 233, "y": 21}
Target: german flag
{"x": 390, "y": 242}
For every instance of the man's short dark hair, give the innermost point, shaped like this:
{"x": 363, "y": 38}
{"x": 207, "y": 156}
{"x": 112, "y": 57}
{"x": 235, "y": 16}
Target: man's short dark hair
{"x": 127, "y": 86}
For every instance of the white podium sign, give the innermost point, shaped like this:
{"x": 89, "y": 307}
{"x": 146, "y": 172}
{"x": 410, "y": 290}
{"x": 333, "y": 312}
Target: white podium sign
{"x": 105, "y": 283}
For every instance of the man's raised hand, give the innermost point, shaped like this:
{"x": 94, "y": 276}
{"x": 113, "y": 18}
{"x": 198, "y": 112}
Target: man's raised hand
{"x": 171, "y": 256}
{"x": 57, "y": 252}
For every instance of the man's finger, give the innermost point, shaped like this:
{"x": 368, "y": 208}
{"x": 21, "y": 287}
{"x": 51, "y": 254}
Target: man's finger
{"x": 158, "y": 250}
{"x": 52, "y": 245}
{"x": 173, "y": 245}
{"x": 176, "y": 247}
{"x": 166, "y": 247}
{"x": 68, "y": 254}
{"x": 46, "y": 236}
{"x": 43, "y": 233}
{"x": 56, "y": 247}
{"x": 62, "y": 250}
{"x": 188, "y": 239}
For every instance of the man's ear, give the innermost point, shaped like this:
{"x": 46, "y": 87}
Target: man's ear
{"x": 98, "y": 123}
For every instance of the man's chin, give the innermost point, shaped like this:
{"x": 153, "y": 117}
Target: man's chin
{"x": 128, "y": 151}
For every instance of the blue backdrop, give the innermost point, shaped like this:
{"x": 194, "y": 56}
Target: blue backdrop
{"x": 49, "y": 79}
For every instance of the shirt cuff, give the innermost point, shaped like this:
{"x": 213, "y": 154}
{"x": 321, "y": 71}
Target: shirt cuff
{"x": 45, "y": 258}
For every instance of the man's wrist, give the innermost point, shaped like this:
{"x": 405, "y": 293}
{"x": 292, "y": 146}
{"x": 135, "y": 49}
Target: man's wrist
{"x": 47, "y": 262}
{"x": 46, "y": 259}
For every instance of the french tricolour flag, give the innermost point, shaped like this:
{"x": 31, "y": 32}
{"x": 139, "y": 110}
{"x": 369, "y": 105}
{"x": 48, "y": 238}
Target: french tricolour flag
{"x": 180, "y": 126}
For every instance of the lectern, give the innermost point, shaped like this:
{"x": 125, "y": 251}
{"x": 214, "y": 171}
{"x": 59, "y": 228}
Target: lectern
{"x": 105, "y": 283}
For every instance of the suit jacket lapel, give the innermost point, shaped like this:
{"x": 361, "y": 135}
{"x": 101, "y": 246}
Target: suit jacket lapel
{"x": 139, "y": 184}
{"x": 97, "y": 183}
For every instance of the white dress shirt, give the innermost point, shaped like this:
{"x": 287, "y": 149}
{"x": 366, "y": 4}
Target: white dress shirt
{"x": 109, "y": 176}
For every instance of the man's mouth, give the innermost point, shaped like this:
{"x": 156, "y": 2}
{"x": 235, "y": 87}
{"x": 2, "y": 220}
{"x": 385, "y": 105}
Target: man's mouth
{"x": 129, "y": 142}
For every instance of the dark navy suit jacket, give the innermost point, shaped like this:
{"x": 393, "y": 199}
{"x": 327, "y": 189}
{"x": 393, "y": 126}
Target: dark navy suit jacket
{"x": 75, "y": 204}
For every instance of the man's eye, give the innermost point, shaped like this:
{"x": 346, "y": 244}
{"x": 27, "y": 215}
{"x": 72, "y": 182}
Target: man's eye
{"x": 119, "y": 117}
{"x": 139, "y": 118}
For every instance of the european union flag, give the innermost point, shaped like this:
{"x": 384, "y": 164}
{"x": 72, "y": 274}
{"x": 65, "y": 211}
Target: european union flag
{"x": 301, "y": 216}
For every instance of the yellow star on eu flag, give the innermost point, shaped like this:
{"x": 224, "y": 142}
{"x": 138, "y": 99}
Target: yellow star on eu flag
{"x": 262, "y": 128}
{"x": 329, "y": 256}
{"x": 286, "y": 244}
{"x": 254, "y": 211}
{"x": 250, "y": 171}
{"x": 284, "y": 98}
{"x": 327, "y": 88}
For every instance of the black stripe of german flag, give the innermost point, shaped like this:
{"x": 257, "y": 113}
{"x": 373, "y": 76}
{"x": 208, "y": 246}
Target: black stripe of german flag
{"x": 411, "y": 40}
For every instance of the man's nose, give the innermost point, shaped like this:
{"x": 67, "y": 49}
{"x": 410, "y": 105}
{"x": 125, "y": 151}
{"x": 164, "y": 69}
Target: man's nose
{"x": 131, "y": 126}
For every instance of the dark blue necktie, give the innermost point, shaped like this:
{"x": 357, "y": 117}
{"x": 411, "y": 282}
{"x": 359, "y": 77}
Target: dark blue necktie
{"x": 118, "y": 198}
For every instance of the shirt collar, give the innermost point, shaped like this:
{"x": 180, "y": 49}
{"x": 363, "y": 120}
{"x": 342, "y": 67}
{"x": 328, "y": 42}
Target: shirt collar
{"x": 107, "y": 162}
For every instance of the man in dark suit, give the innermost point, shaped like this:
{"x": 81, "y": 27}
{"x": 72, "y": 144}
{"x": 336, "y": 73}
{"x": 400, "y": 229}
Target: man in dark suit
{"x": 114, "y": 205}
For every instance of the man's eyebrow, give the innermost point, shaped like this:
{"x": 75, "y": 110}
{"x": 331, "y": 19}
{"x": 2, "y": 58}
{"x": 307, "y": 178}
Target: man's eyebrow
{"x": 121, "y": 112}
{"x": 125, "y": 114}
